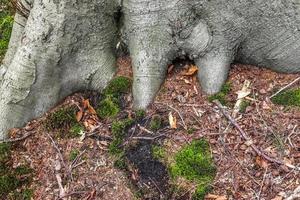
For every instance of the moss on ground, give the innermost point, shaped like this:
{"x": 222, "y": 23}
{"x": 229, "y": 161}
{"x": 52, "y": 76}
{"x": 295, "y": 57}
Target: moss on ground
{"x": 155, "y": 123}
{"x": 73, "y": 154}
{"x": 13, "y": 181}
{"x": 289, "y": 98}
{"x": 140, "y": 114}
{"x": 118, "y": 129}
{"x": 109, "y": 107}
{"x": 6, "y": 23}
{"x": 221, "y": 96}
{"x": 117, "y": 86}
{"x": 195, "y": 163}
{"x": 64, "y": 122}
{"x": 244, "y": 106}
{"x": 158, "y": 152}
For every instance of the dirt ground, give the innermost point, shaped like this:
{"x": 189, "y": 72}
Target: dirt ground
{"x": 241, "y": 172}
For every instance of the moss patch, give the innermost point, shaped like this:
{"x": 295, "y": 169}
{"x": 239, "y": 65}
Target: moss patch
{"x": 118, "y": 129}
{"x": 195, "y": 163}
{"x": 117, "y": 86}
{"x": 140, "y": 114}
{"x": 73, "y": 154}
{"x": 244, "y": 106}
{"x": 158, "y": 152}
{"x": 64, "y": 122}
{"x": 13, "y": 181}
{"x": 288, "y": 98}
{"x": 155, "y": 123}
{"x": 108, "y": 108}
{"x": 6, "y": 23}
{"x": 221, "y": 96}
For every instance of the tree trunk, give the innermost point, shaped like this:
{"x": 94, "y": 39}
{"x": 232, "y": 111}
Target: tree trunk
{"x": 68, "y": 45}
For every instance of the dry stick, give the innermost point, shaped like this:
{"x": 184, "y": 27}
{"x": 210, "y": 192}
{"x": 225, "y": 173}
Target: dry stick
{"x": 148, "y": 138}
{"x": 285, "y": 87}
{"x": 17, "y": 139}
{"x": 183, "y": 123}
{"x": 246, "y": 138}
{"x": 60, "y": 155}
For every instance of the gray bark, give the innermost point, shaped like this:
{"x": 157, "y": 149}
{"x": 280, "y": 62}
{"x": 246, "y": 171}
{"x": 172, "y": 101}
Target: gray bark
{"x": 68, "y": 45}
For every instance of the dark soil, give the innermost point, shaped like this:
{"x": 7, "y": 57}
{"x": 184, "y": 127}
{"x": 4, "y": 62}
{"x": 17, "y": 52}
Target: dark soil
{"x": 152, "y": 175}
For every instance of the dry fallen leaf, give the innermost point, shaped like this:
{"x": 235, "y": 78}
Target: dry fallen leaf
{"x": 79, "y": 115}
{"x": 261, "y": 162}
{"x": 215, "y": 197}
{"x": 191, "y": 71}
{"x": 172, "y": 121}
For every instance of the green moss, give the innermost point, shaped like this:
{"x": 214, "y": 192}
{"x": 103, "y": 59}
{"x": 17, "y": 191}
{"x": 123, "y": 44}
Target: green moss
{"x": 12, "y": 180}
{"x": 73, "y": 154}
{"x": 195, "y": 163}
{"x": 155, "y": 123}
{"x": 27, "y": 194}
{"x": 76, "y": 130}
{"x": 140, "y": 114}
{"x": 62, "y": 118}
{"x": 118, "y": 129}
{"x": 108, "y": 108}
{"x": 191, "y": 130}
{"x": 4, "y": 152}
{"x": 117, "y": 86}
{"x": 120, "y": 163}
{"x": 6, "y": 23}
{"x": 23, "y": 170}
{"x": 158, "y": 152}
{"x": 221, "y": 96}
{"x": 8, "y": 183}
{"x": 244, "y": 106}
{"x": 201, "y": 191}
{"x": 288, "y": 98}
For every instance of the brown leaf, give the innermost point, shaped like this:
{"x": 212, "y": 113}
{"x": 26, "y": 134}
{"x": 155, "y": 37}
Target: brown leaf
{"x": 79, "y": 115}
{"x": 261, "y": 162}
{"x": 215, "y": 197}
{"x": 172, "y": 121}
{"x": 87, "y": 105}
{"x": 191, "y": 71}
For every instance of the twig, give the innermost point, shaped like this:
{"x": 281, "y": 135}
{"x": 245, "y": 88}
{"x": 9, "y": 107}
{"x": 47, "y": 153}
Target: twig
{"x": 60, "y": 155}
{"x": 183, "y": 123}
{"x": 262, "y": 183}
{"x": 248, "y": 139}
{"x": 145, "y": 130}
{"x": 148, "y": 138}
{"x": 285, "y": 87}
{"x": 17, "y": 139}
{"x": 295, "y": 195}
{"x": 154, "y": 183}
{"x": 62, "y": 191}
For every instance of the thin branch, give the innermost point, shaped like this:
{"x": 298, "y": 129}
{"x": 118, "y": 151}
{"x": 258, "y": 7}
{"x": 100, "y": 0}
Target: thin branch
{"x": 248, "y": 139}
{"x": 148, "y": 138}
{"x": 285, "y": 87}
{"x": 60, "y": 155}
{"x": 17, "y": 139}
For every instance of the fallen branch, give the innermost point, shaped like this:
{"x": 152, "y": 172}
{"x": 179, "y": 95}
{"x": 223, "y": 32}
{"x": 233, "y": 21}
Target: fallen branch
{"x": 60, "y": 155}
{"x": 295, "y": 195}
{"x": 285, "y": 87}
{"x": 17, "y": 139}
{"x": 248, "y": 139}
{"x": 183, "y": 123}
{"x": 148, "y": 138}
{"x": 145, "y": 130}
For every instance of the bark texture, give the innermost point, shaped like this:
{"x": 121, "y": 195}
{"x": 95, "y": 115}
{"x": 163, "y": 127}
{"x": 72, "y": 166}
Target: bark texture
{"x": 68, "y": 45}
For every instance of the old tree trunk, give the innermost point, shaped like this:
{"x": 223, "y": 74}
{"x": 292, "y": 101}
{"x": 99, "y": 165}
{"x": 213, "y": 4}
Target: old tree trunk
{"x": 63, "y": 46}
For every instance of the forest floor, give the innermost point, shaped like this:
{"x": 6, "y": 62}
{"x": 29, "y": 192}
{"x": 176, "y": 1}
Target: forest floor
{"x": 83, "y": 168}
